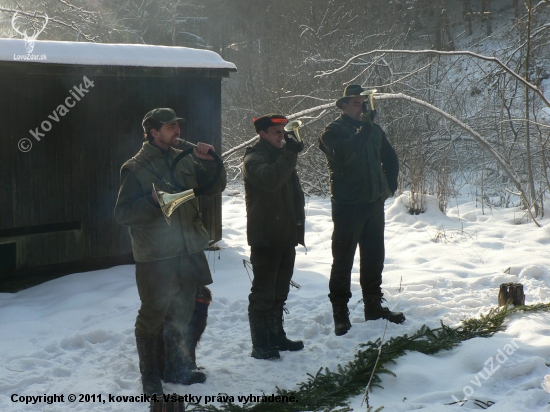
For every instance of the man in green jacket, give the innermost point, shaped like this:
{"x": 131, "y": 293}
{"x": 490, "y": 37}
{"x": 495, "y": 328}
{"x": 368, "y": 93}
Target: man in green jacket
{"x": 363, "y": 174}
{"x": 170, "y": 262}
{"x": 275, "y": 226}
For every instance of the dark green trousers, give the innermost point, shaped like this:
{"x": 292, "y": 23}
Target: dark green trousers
{"x": 167, "y": 292}
{"x": 357, "y": 224}
{"x": 272, "y": 269}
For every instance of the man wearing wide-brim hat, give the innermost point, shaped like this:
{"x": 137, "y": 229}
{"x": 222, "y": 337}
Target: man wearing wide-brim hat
{"x": 170, "y": 262}
{"x": 363, "y": 174}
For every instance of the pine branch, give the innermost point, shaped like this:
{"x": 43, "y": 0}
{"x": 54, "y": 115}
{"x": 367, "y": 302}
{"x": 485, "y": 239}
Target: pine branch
{"x": 328, "y": 391}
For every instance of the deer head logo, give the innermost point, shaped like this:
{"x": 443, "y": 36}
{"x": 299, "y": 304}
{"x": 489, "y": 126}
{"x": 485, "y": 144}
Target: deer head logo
{"x": 29, "y": 40}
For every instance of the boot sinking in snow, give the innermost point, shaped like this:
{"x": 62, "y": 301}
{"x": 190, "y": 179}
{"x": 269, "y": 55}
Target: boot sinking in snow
{"x": 147, "y": 352}
{"x": 263, "y": 346}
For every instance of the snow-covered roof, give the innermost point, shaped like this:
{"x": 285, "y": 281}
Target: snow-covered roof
{"x": 103, "y": 54}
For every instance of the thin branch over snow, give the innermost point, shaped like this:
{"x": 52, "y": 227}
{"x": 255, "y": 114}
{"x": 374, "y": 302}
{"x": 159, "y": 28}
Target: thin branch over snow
{"x": 290, "y": 117}
{"x": 388, "y": 96}
{"x": 446, "y": 53}
{"x": 478, "y": 138}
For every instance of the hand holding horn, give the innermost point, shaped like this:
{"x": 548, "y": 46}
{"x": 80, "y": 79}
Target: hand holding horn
{"x": 370, "y": 94}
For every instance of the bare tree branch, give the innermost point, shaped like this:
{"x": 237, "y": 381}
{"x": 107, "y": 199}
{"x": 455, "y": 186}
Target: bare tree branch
{"x": 446, "y": 53}
{"x": 478, "y": 138}
{"x": 292, "y": 116}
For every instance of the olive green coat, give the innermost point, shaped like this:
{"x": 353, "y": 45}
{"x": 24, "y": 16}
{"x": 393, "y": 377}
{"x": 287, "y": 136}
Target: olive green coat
{"x": 274, "y": 197}
{"x": 152, "y": 237}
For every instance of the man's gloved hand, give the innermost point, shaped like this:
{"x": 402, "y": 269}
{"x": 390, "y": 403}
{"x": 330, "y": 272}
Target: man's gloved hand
{"x": 291, "y": 144}
{"x": 368, "y": 115}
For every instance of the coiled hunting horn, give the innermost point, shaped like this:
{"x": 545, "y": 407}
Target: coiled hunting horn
{"x": 170, "y": 201}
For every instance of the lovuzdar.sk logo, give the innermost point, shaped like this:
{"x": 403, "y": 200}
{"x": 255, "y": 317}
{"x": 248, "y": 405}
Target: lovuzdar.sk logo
{"x": 29, "y": 39}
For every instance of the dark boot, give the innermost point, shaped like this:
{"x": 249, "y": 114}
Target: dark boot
{"x": 176, "y": 369}
{"x": 278, "y": 338}
{"x": 197, "y": 325}
{"x": 374, "y": 310}
{"x": 340, "y": 313}
{"x": 147, "y": 352}
{"x": 261, "y": 342}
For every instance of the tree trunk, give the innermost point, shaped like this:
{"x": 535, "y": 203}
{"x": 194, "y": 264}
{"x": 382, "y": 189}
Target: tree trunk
{"x": 449, "y": 42}
{"x": 486, "y": 10}
{"x": 467, "y": 14}
{"x": 443, "y": 36}
{"x": 527, "y": 129}
{"x": 515, "y": 5}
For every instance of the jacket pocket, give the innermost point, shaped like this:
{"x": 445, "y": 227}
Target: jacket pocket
{"x": 186, "y": 178}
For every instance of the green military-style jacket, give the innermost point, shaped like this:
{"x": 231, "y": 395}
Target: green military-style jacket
{"x": 362, "y": 163}
{"x": 152, "y": 237}
{"x": 274, "y": 198}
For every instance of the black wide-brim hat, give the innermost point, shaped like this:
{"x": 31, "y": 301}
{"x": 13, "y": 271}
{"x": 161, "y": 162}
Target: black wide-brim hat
{"x": 351, "y": 90}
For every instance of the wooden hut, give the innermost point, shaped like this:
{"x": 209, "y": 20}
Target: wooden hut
{"x": 72, "y": 115}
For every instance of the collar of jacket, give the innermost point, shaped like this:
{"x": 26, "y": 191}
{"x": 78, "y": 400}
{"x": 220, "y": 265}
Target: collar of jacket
{"x": 355, "y": 123}
{"x": 155, "y": 151}
{"x": 273, "y": 152}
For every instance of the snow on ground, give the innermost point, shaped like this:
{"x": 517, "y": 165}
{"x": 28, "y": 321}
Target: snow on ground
{"x": 74, "y": 335}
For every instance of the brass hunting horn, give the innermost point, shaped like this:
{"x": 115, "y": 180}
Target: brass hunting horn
{"x": 169, "y": 202}
{"x": 294, "y": 126}
{"x": 370, "y": 94}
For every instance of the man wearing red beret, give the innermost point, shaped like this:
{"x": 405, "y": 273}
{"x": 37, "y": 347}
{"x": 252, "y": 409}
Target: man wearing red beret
{"x": 275, "y": 226}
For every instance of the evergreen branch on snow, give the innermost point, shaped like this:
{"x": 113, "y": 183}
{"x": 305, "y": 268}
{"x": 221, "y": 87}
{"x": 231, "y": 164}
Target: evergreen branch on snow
{"x": 328, "y": 391}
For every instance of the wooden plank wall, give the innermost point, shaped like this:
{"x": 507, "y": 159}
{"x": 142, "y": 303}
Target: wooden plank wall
{"x": 72, "y": 174}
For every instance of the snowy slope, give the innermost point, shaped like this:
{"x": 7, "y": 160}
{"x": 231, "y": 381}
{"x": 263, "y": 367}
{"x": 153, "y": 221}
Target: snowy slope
{"x": 74, "y": 335}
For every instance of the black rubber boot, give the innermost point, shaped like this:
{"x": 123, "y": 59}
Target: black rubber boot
{"x": 176, "y": 367}
{"x": 261, "y": 338}
{"x": 278, "y": 338}
{"x": 147, "y": 352}
{"x": 374, "y": 310}
{"x": 340, "y": 313}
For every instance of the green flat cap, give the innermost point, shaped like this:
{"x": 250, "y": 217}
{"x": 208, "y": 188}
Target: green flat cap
{"x": 162, "y": 115}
